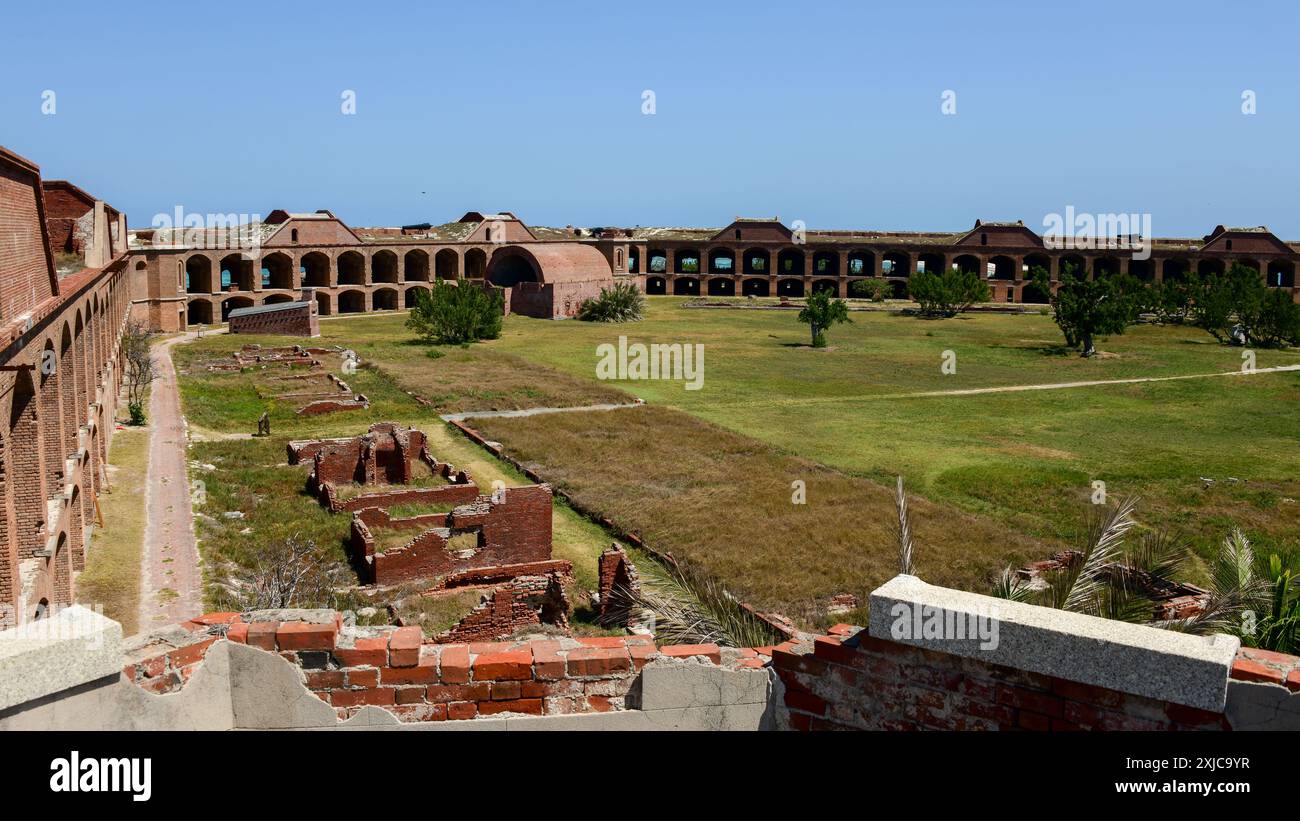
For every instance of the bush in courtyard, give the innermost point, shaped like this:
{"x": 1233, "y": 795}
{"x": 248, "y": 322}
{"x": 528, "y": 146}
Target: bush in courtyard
{"x": 456, "y": 314}
{"x": 1087, "y": 308}
{"x": 622, "y": 303}
{"x": 822, "y": 311}
{"x": 875, "y": 290}
{"x": 1237, "y": 307}
{"x": 948, "y": 292}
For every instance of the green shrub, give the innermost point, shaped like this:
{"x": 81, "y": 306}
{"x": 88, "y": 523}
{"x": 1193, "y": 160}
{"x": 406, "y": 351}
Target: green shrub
{"x": 947, "y": 293}
{"x": 622, "y": 303}
{"x": 456, "y": 314}
{"x": 136, "y": 409}
{"x": 875, "y": 290}
{"x": 822, "y": 311}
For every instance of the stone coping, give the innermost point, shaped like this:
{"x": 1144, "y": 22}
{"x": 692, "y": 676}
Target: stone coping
{"x": 71, "y": 647}
{"x": 1131, "y": 658}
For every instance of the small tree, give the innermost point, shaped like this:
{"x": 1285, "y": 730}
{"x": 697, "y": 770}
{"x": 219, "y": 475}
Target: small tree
{"x": 138, "y": 355}
{"x": 821, "y": 312}
{"x": 949, "y": 292}
{"x": 876, "y": 290}
{"x": 287, "y": 573}
{"x": 456, "y": 314}
{"x": 622, "y": 303}
{"x": 1084, "y": 309}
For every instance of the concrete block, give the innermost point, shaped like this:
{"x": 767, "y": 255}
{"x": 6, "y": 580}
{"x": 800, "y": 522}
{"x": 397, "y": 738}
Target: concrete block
{"x": 73, "y": 647}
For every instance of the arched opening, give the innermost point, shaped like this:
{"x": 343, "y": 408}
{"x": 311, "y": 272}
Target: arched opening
{"x": 228, "y": 305}
{"x": 862, "y": 264}
{"x": 829, "y": 286}
{"x": 1175, "y": 270}
{"x": 409, "y": 298}
{"x": 383, "y": 267}
{"x": 475, "y": 263}
{"x": 756, "y": 262}
{"x": 790, "y": 263}
{"x": 275, "y": 299}
{"x": 315, "y": 270}
{"x": 324, "y": 304}
{"x": 633, "y": 260}
{"x": 352, "y": 268}
{"x": 68, "y": 393}
{"x": 1143, "y": 270}
{"x": 199, "y": 312}
{"x": 385, "y": 299}
{"x": 1034, "y": 263}
{"x": 238, "y": 271}
{"x": 1281, "y": 274}
{"x": 930, "y": 263}
{"x": 51, "y": 427}
{"x": 24, "y": 449}
{"x": 791, "y": 287}
{"x": 688, "y": 261}
{"x": 1253, "y": 264}
{"x": 1004, "y": 267}
{"x": 897, "y": 289}
{"x": 896, "y": 264}
{"x": 446, "y": 264}
{"x": 686, "y": 286}
{"x": 415, "y": 266}
{"x": 657, "y": 261}
{"x": 722, "y": 261}
{"x": 968, "y": 264}
{"x": 719, "y": 286}
{"x": 277, "y": 271}
{"x": 1032, "y": 294}
{"x": 1105, "y": 267}
{"x": 1073, "y": 266}
{"x": 1210, "y": 267}
{"x": 510, "y": 268}
{"x": 826, "y": 264}
{"x": 656, "y": 286}
{"x": 352, "y": 302}
{"x": 755, "y": 287}
{"x": 198, "y": 275}
{"x": 62, "y": 572}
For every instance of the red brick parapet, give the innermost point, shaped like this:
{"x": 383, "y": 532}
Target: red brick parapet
{"x": 1267, "y": 667}
{"x": 397, "y": 669}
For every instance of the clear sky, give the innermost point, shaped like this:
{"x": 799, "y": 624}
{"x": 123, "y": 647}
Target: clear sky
{"x": 825, "y": 112}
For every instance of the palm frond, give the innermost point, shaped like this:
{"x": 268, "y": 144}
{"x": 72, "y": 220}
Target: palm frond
{"x": 689, "y": 609}
{"x": 1011, "y": 587}
{"x": 1086, "y": 585}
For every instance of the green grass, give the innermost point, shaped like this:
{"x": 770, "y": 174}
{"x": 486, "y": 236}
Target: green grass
{"x": 1025, "y": 458}
{"x": 112, "y": 575}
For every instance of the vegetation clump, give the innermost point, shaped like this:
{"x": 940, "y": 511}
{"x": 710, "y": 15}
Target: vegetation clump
{"x": 949, "y": 292}
{"x": 456, "y": 315}
{"x": 622, "y": 303}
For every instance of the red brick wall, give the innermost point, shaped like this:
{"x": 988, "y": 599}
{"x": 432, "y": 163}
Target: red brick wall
{"x": 63, "y": 208}
{"x": 516, "y": 531}
{"x": 854, "y": 681}
{"x": 297, "y": 321}
{"x": 27, "y": 276}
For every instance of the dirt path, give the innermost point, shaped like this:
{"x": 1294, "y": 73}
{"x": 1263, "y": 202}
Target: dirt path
{"x": 1049, "y": 386}
{"x": 172, "y": 584}
{"x": 500, "y": 414}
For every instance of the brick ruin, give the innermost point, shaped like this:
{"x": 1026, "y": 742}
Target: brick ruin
{"x": 499, "y": 544}
{"x": 315, "y": 392}
{"x": 284, "y": 318}
{"x": 512, "y": 529}
{"x": 387, "y": 455}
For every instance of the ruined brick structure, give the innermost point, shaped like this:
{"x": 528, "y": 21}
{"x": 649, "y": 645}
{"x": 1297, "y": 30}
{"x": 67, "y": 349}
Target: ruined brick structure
{"x": 488, "y": 533}
{"x": 526, "y": 602}
{"x": 285, "y": 318}
{"x": 59, "y": 379}
{"x": 70, "y": 215}
{"x": 616, "y": 572}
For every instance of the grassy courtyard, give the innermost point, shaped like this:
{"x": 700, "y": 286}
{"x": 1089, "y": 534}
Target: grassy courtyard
{"x": 706, "y": 475}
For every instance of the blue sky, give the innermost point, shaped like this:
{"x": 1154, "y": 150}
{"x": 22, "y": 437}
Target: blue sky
{"x": 829, "y": 113}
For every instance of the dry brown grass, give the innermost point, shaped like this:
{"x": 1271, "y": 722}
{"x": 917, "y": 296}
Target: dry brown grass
{"x": 722, "y": 503}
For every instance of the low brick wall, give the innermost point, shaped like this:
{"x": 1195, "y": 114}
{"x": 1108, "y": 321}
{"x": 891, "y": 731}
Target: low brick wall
{"x": 858, "y": 682}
